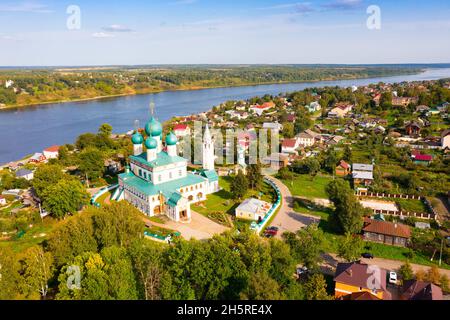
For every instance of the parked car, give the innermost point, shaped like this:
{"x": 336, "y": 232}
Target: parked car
{"x": 302, "y": 271}
{"x": 367, "y": 255}
{"x": 273, "y": 229}
{"x": 393, "y": 279}
{"x": 271, "y": 232}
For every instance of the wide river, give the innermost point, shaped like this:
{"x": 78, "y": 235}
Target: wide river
{"x": 27, "y": 130}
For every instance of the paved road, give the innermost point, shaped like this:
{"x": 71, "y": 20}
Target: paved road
{"x": 287, "y": 220}
{"x": 331, "y": 260}
{"x": 200, "y": 227}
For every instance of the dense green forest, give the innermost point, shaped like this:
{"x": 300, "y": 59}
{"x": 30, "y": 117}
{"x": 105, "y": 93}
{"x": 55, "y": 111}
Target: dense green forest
{"x": 36, "y": 86}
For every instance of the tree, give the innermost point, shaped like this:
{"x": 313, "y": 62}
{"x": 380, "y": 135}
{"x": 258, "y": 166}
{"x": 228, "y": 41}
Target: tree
{"x": 288, "y": 130}
{"x": 105, "y": 130}
{"x": 348, "y": 212}
{"x": 65, "y": 197}
{"x": 239, "y": 186}
{"x": 72, "y": 238}
{"x": 91, "y": 163}
{"x": 307, "y": 245}
{"x": 330, "y": 161}
{"x": 9, "y": 274}
{"x": 406, "y": 272}
{"x": 254, "y": 176}
{"x": 146, "y": 260}
{"x": 118, "y": 224}
{"x": 316, "y": 288}
{"x": 285, "y": 174}
{"x": 37, "y": 270}
{"x": 386, "y": 100}
{"x": 262, "y": 287}
{"x": 46, "y": 176}
{"x": 348, "y": 154}
{"x": 350, "y": 247}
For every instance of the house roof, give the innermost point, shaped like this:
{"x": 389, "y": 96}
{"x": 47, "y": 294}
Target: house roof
{"x": 254, "y": 206}
{"x": 344, "y": 164}
{"x": 362, "y": 167}
{"x": 289, "y": 143}
{"x": 366, "y": 175}
{"x": 211, "y": 175}
{"x": 180, "y": 127}
{"x": 52, "y": 149}
{"x": 364, "y": 295}
{"x": 23, "y": 172}
{"x": 423, "y": 157}
{"x": 420, "y": 290}
{"x": 357, "y": 274}
{"x": 387, "y": 228}
{"x": 162, "y": 159}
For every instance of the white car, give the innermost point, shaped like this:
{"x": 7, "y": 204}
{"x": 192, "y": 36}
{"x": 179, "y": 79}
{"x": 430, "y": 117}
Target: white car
{"x": 393, "y": 279}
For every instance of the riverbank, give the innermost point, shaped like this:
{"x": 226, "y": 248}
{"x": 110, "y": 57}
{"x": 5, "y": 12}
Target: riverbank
{"x": 192, "y": 88}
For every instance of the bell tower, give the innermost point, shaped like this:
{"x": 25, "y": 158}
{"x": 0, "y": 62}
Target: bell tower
{"x": 208, "y": 150}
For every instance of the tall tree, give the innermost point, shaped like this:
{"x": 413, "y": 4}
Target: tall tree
{"x": 350, "y": 247}
{"x": 9, "y": 274}
{"x": 46, "y": 176}
{"x": 91, "y": 163}
{"x": 254, "y": 176}
{"x": 37, "y": 271}
{"x": 65, "y": 197}
{"x": 316, "y": 288}
{"x": 406, "y": 272}
{"x": 239, "y": 185}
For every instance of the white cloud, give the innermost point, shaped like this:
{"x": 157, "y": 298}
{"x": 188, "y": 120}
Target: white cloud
{"x": 183, "y": 2}
{"x": 117, "y": 28}
{"x": 102, "y": 35}
{"x": 25, "y": 7}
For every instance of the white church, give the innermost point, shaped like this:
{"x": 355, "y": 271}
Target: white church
{"x": 157, "y": 181}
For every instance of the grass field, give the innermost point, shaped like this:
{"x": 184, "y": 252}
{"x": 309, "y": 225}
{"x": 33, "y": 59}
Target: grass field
{"x": 305, "y": 186}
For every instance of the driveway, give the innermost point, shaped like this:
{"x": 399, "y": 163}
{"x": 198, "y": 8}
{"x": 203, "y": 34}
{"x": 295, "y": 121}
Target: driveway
{"x": 200, "y": 227}
{"x": 287, "y": 220}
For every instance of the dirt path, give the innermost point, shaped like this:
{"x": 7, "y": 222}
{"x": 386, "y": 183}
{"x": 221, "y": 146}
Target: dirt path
{"x": 200, "y": 227}
{"x": 287, "y": 220}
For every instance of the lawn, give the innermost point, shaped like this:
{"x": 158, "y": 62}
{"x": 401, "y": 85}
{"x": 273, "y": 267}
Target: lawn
{"x": 411, "y": 205}
{"x": 104, "y": 199}
{"x": 307, "y": 207}
{"x": 305, "y": 186}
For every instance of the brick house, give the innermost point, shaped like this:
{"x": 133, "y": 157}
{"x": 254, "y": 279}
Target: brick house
{"x": 386, "y": 232}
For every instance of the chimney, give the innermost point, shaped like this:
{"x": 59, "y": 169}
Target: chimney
{"x": 395, "y": 226}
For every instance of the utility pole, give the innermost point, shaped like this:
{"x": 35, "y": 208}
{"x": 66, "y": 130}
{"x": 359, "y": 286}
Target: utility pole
{"x": 440, "y": 255}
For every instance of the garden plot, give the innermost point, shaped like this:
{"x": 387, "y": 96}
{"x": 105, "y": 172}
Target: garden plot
{"x": 379, "y": 205}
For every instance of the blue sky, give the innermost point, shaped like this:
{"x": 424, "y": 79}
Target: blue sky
{"x": 34, "y": 32}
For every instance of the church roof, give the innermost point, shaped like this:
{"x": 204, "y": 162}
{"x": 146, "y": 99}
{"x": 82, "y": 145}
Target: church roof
{"x": 167, "y": 188}
{"x": 162, "y": 159}
{"x": 211, "y": 175}
{"x": 174, "y": 199}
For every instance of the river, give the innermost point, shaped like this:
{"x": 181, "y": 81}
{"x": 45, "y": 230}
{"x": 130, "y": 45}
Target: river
{"x": 27, "y": 130}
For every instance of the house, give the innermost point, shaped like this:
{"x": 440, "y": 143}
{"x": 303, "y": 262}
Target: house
{"x": 343, "y": 169}
{"x": 420, "y": 290}
{"x": 352, "y": 278}
{"x": 306, "y": 140}
{"x": 37, "y": 158}
{"x": 181, "y": 130}
{"x": 422, "y": 108}
{"x": 313, "y": 107}
{"x": 253, "y": 209}
{"x": 51, "y": 152}
{"x": 362, "y": 174}
{"x": 404, "y": 101}
{"x": 413, "y": 128}
{"x": 445, "y": 139}
{"x": 2, "y": 201}
{"x": 418, "y": 158}
{"x": 260, "y": 109}
{"x": 277, "y": 160}
{"x": 291, "y": 118}
{"x": 274, "y": 126}
{"x": 25, "y": 174}
{"x": 360, "y": 296}
{"x": 340, "y": 110}
{"x": 386, "y": 232}
{"x": 290, "y": 145}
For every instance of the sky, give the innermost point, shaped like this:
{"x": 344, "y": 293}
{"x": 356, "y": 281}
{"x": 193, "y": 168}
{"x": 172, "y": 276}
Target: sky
{"x": 136, "y": 32}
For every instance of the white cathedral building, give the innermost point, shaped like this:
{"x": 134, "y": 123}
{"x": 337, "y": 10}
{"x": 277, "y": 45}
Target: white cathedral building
{"x": 157, "y": 181}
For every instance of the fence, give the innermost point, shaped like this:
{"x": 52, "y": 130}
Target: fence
{"x": 257, "y": 227}
{"x": 421, "y": 215}
{"x": 100, "y": 193}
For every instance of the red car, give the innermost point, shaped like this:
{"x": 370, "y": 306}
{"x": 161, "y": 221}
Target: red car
{"x": 272, "y": 232}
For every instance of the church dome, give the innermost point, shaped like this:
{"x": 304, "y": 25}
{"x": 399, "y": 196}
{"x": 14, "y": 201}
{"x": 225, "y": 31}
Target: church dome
{"x": 171, "y": 139}
{"x": 153, "y": 128}
{"x": 151, "y": 143}
{"x": 137, "y": 138}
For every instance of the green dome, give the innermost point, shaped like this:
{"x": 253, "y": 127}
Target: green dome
{"x": 153, "y": 128}
{"x": 151, "y": 143}
{"x": 137, "y": 138}
{"x": 171, "y": 139}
